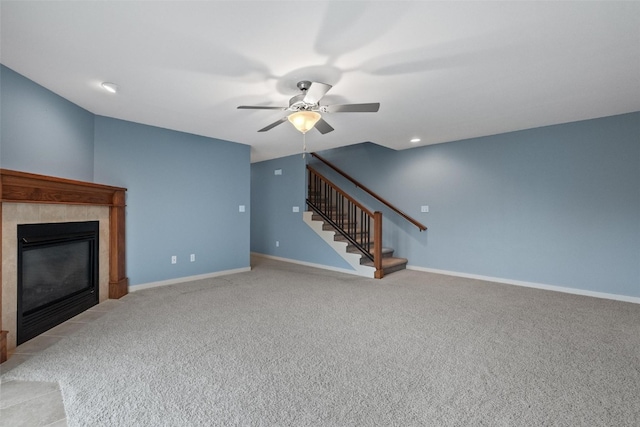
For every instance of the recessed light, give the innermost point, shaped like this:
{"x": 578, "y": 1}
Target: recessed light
{"x": 110, "y": 87}
{"x": 414, "y": 140}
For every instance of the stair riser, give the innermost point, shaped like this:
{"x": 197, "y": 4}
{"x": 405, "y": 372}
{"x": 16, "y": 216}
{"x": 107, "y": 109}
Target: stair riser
{"x": 334, "y": 218}
{"x": 330, "y": 227}
{"x": 395, "y": 268}
{"x": 386, "y": 253}
{"x": 341, "y": 238}
{"x": 366, "y": 260}
{"x": 350, "y": 245}
{"x": 392, "y": 268}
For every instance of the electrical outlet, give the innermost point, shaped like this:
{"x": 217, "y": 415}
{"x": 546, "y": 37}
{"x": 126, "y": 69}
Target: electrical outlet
{"x": 174, "y": 259}
{"x": 241, "y": 208}
{"x": 277, "y": 243}
{"x": 296, "y": 208}
{"x": 192, "y": 258}
{"x": 277, "y": 172}
{"x": 424, "y": 208}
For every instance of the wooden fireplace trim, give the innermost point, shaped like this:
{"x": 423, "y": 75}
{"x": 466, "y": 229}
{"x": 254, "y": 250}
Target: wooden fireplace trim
{"x": 23, "y": 187}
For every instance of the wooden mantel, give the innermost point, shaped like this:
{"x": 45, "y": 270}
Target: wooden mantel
{"x": 22, "y": 187}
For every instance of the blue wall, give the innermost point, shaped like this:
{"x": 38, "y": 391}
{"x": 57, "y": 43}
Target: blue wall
{"x": 183, "y": 190}
{"x": 184, "y": 193}
{"x": 558, "y": 205}
{"x": 272, "y": 219}
{"x": 40, "y": 132}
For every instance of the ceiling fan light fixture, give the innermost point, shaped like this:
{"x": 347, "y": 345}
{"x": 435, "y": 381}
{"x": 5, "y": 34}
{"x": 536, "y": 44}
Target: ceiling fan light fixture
{"x": 304, "y": 120}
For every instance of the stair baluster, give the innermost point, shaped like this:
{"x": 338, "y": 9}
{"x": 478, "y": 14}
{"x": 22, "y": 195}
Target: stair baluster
{"x": 349, "y": 217}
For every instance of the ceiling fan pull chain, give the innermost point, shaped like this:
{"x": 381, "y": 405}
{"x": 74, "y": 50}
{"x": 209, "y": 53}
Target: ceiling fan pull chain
{"x": 304, "y": 144}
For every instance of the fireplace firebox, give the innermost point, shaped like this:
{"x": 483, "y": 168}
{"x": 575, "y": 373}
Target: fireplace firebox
{"x": 57, "y": 274}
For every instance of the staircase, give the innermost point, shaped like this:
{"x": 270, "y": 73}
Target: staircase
{"x": 390, "y": 263}
{"x": 351, "y": 229}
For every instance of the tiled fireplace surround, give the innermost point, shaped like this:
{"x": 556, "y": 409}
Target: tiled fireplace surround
{"x": 31, "y": 199}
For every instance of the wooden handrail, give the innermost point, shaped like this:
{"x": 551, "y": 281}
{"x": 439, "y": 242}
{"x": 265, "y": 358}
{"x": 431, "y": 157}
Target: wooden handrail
{"x": 339, "y": 190}
{"x": 420, "y": 226}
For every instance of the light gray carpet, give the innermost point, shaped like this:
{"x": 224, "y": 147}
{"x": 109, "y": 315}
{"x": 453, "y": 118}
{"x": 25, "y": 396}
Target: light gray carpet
{"x": 285, "y": 345}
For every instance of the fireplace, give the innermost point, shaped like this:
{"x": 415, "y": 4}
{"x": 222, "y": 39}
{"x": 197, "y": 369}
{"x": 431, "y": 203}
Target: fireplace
{"x": 27, "y": 198}
{"x": 57, "y": 274}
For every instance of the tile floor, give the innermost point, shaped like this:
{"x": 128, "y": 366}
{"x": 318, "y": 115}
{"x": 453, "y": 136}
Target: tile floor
{"x": 35, "y": 404}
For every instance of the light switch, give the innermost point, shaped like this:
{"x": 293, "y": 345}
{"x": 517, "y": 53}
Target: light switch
{"x": 241, "y": 208}
{"x": 296, "y": 209}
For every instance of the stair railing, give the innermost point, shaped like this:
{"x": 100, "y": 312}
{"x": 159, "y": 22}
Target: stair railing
{"x": 361, "y": 227}
{"x": 420, "y": 226}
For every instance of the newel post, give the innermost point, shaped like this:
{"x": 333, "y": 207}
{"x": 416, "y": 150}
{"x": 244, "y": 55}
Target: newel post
{"x": 3, "y": 334}
{"x": 377, "y": 245}
{"x": 118, "y": 281}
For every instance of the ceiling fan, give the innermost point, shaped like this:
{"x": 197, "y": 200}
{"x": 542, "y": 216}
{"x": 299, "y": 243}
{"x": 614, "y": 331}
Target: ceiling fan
{"x": 306, "y": 108}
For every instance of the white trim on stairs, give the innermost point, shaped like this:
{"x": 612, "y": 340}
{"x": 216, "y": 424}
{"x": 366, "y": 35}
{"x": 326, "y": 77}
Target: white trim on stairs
{"x": 339, "y": 247}
{"x": 566, "y": 290}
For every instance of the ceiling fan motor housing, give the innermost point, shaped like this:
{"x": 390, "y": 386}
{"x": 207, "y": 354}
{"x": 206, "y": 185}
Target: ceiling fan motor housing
{"x": 297, "y": 103}
{"x": 303, "y": 85}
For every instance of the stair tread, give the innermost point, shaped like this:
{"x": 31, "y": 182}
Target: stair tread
{"x": 389, "y": 262}
{"x": 353, "y": 249}
{"x": 340, "y": 237}
{"x": 391, "y": 265}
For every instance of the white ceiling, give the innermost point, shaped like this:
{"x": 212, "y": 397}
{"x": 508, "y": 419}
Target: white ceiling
{"x": 442, "y": 71}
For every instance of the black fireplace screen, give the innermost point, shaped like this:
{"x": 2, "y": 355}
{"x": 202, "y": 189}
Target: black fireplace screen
{"x": 53, "y": 272}
{"x": 57, "y": 274}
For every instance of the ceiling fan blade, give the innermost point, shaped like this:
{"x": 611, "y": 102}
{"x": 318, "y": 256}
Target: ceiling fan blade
{"x": 352, "y": 108}
{"x": 323, "y": 127}
{"x": 259, "y": 107}
{"x": 315, "y": 92}
{"x": 274, "y": 124}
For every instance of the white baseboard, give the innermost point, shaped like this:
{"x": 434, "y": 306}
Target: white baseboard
{"x": 566, "y": 290}
{"x": 311, "y": 264}
{"x": 134, "y": 288}
{"x": 625, "y": 298}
